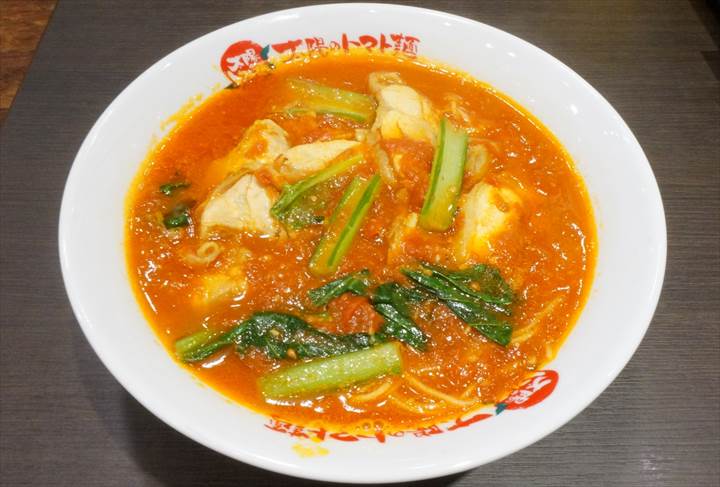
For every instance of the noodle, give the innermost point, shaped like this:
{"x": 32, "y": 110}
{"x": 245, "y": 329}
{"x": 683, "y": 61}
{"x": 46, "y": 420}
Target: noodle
{"x": 429, "y": 368}
{"x": 456, "y": 109}
{"x": 549, "y": 352}
{"x": 528, "y": 330}
{"x": 476, "y": 165}
{"x": 488, "y": 142}
{"x": 435, "y": 393}
{"x": 205, "y": 254}
{"x": 409, "y": 405}
{"x": 470, "y": 389}
{"x": 382, "y": 159}
{"x": 386, "y": 387}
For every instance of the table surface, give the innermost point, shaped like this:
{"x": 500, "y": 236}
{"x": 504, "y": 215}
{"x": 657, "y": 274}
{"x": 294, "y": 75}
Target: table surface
{"x": 21, "y": 25}
{"x": 64, "y": 420}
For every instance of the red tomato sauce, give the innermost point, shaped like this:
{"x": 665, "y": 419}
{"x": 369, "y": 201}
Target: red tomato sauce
{"x": 547, "y": 255}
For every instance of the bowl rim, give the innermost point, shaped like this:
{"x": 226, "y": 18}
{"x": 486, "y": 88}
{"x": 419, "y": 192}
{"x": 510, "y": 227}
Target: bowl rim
{"x": 246, "y": 456}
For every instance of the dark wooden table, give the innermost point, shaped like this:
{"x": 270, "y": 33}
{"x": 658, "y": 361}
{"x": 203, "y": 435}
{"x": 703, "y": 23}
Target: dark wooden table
{"x": 65, "y": 421}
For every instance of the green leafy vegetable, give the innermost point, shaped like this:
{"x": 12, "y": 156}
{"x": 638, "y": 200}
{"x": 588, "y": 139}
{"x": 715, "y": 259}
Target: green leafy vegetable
{"x": 306, "y": 211}
{"x": 499, "y": 333}
{"x": 203, "y": 344}
{"x": 280, "y": 335}
{"x": 177, "y": 217}
{"x": 296, "y": 205}
{"x": 475, "y": 295}
{"x": 446, "y": 177}
{"x": 300, "y": 217}
{"x": 481, "y": 281}
{"x": 390, "y": 300}
{"x": 300, "y": 111}
{"x": 169, "y": 188}
{"x": 415, "y": 294}
{"x": 309, "y": 207}
{"x": 356, "y": 283}
{"x": 329, "y": 374}
{"x": 193, "y": 342}
{"x": 335, "y": 101}
{"x": 344, "y": 224}
{"x": 467, "y": 308}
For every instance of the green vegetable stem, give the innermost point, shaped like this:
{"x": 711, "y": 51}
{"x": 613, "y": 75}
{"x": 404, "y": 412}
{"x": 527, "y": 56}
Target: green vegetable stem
{"x": 344, "y": 225}
{"x": 329, "y": 374}
{"x": 446, "y": 176}
{"x": 335, "y": 101}
{"x": 294, "y": 207}
{"x": 356, "y": 283}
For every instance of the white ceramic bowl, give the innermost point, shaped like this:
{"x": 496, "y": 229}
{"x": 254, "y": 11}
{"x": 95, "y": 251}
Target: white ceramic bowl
{"x": 625, "y": 197}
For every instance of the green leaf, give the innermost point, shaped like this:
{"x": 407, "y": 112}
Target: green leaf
{"x": 280, "y": 335}
{"x": 475, "y": 295}
{"x": 300, "y": 194}
{"x": 415, "y": 294}
{"x": 390, "y": 301}
{"x": 177, "y": 217}
{"x": 499, "y": 333}
{"x": 169, "y": 188}
{"x": 203, "y": 344}
{"x": 489, "y": 283}
{"x": 309, "y": 207}
{"x": 356, "y": 283}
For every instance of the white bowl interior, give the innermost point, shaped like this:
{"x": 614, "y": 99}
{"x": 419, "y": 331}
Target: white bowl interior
{"x": 627, "y": 205}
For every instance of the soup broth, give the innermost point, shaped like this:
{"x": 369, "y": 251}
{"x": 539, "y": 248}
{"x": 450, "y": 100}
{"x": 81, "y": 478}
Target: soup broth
{"x": 212, "y": 241}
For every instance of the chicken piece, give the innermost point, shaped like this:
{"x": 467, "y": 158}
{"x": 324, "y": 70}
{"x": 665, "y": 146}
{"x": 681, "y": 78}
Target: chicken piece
{"x": 486, "y": 211}
{"x": 384, "y": 167}
{"x": 457, "y": 111}
{"x": 382, "y": 79}
{"x": 261, "y": 144}
{"x": 229, "y": 283}
{"x": 402, "y": 111}
{"x": 303, "y": 160}
{"x": 477, "y": 163}
{"x": 240, "y": 203}
{"x": 401, "y": 227}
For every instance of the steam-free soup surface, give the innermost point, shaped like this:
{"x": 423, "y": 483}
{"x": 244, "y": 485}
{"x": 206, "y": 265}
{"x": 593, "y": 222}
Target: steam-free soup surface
{"x": 206, "y": 252}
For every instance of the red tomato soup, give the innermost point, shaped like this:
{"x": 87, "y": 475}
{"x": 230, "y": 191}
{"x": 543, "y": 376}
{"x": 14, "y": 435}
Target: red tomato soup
{"x": 360, "y": 240}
